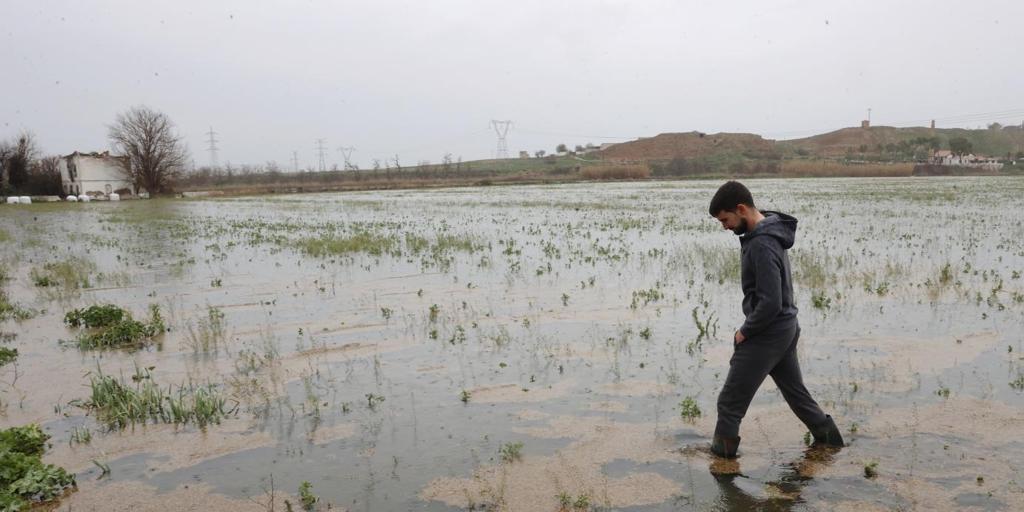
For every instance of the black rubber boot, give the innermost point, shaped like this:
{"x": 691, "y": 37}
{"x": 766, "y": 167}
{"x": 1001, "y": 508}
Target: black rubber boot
{"x": 725, "y": 446}
{"x": 827, "y": 434}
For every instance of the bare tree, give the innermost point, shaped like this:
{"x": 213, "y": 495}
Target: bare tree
{"x": 16, "y": 160}
{"x": 155, "y": 155}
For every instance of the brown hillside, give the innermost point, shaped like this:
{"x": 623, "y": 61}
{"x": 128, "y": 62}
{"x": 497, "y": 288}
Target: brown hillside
{"x": 837, "y": 143}
{"x": 996, "y": 142}
{"x": 667, "y": 146}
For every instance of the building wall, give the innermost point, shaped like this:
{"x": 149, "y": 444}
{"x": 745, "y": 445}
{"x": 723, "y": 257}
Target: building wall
{"x": 89, "y": 174}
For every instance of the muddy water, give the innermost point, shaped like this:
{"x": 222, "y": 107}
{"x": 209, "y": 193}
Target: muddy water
{"x": 566, "y": 322}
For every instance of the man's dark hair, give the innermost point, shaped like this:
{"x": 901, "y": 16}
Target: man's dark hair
{"x": 729, "y": 195}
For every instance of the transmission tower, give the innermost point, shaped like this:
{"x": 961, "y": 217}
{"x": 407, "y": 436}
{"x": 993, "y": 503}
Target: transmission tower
{"x": 295, "y": 160}
{"x": 346, "y": 153}
{"x": 321, "y": 150}
{"x": 211, "y": 146}
{"x": 501, "y": 128}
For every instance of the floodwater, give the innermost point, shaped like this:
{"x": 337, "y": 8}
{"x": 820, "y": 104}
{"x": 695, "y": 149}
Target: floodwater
{"x": 438, "y": 327}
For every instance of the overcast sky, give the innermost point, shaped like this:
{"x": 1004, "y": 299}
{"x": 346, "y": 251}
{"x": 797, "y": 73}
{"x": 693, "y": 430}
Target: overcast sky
{"x": 423, "y": 78}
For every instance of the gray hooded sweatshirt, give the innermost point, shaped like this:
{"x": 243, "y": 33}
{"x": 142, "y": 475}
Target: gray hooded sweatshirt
{"x": 765, "y": 274}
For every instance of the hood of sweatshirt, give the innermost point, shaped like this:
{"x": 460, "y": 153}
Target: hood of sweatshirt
{"x": 775, "y": 224}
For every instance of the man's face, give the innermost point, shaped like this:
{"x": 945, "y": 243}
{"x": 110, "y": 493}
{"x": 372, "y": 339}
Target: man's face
{"x": 732, "y": 221}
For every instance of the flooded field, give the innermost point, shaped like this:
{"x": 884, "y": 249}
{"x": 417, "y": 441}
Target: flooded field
{"x": 515, "y": 348}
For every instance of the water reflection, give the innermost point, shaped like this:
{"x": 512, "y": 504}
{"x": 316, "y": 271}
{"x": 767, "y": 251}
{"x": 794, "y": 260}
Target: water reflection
{"x": 737, "y": 491}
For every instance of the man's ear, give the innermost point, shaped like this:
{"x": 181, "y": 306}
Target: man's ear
{"x": 742, "y": 210}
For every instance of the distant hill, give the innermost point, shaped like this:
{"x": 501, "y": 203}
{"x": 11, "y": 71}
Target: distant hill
{"x": 691, "y": 145}
{"x": 875, "y": 143}
{"x": 991, "y": 142}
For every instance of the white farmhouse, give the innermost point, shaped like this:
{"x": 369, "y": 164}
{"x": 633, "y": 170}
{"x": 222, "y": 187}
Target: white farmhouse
{"x": 93, "y": 173}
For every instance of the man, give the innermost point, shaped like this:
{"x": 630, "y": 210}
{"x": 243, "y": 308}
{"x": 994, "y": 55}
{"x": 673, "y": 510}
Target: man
{"x": 766, "y": 342}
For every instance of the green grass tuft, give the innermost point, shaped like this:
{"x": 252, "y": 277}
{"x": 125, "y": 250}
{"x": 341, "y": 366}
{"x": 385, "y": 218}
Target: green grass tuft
{"x": 119, "y": 403}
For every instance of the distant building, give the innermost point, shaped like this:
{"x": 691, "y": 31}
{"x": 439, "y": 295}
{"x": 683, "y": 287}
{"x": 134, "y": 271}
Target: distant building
{"x": 946, "y": 157}
{"x": 865, "y": 124}
{"x": 94, "y": 174}
{"x": 524, "y": 154}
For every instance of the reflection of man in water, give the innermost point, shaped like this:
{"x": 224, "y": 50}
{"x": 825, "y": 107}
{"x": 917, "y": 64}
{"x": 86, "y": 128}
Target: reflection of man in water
{"x": 766, "y": 342}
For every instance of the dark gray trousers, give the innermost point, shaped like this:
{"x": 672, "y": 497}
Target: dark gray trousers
{"x": 769, "y": 353}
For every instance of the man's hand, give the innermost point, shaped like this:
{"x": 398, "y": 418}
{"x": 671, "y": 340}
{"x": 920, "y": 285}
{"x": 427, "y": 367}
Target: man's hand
{"x": 738, "y": 338}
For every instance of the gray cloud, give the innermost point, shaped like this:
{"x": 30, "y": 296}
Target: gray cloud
{"x": 419, "y": 79}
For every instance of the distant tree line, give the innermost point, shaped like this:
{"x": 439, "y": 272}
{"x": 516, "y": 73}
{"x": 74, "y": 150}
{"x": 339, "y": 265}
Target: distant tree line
{"x": 699, "y": 166}
{"x": 24, "y": 172}
{"x": 382, "y": 170}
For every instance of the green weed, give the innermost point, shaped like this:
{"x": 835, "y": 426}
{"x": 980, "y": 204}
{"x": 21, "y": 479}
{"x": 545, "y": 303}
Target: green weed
{"x": 80, "y": 435}
{"x": 689, "y": 410}
{"x": 511, "y": 452}
{"x": 7, "y": 355}
{"x": 647, "y": 296}
{"x": 104, "y": 468}
{"x": 821, "y": 301}
{"x": 707, "y": 327}
{"x": 1018, "y": 384}
{"x": 12, "y": 311}
{"x": 871, "y": 469}
{"x": 96, "y": 316}
{"x": 208, "y": 333}
{"x": 70, "y": 274}
{"x": 362, "y": 242}
{"x": 306, "y": 496}
{"x": 582, "y": 502}
{"x": 372, "y": 401}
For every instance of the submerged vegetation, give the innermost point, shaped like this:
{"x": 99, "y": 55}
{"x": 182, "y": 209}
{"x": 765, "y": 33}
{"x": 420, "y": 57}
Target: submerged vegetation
{"x": 70, "y": 274}
{"x": 208, "y": 333}
{"x": 12, "y": 311}
{"x": 487, "y": 314}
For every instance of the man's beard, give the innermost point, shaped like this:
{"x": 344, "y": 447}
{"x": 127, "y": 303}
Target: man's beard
{"x": 741, "y": 228}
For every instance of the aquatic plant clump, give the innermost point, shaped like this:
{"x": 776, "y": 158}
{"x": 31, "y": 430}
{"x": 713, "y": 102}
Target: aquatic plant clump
{"x": 110, "y": 326}
{"x": 7, "y": 355}
{"x": 24, "y": 480}
{"x": 103, "y": 315}
{"x": 119, "y": 404}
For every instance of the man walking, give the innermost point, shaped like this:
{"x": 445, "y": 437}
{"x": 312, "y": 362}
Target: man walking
{"x": 766, "y": 342}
